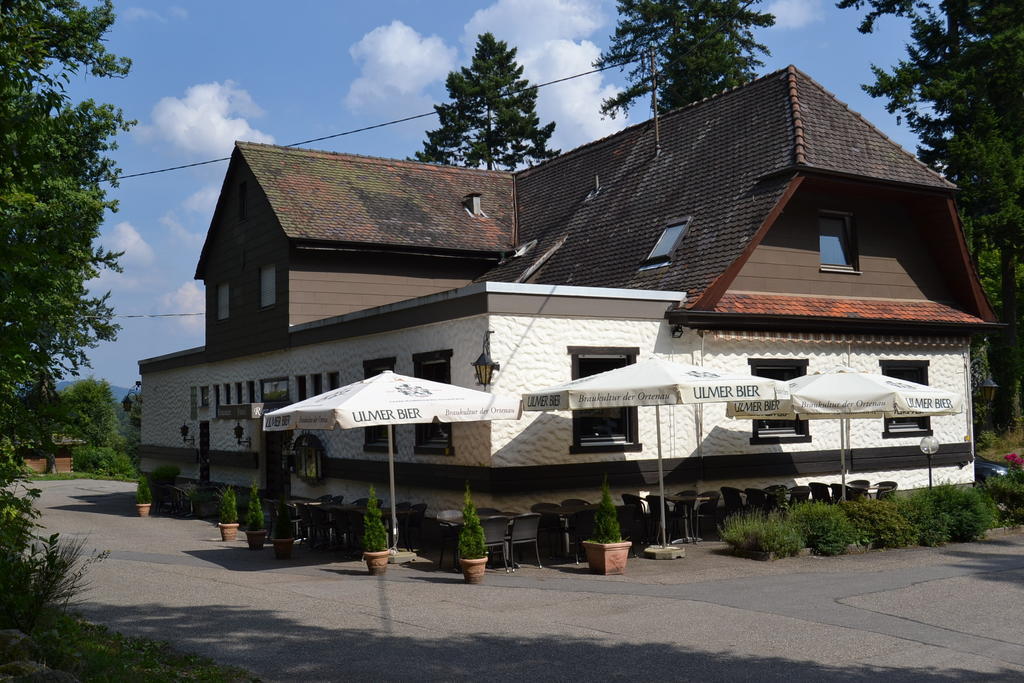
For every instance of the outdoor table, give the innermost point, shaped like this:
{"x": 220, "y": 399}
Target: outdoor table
{"x": 564, "y": 512}
{"x": 691, "y": 518}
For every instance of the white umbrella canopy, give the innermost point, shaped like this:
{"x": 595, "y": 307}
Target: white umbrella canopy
{"x": 846, "y": 394}
{"x": 390, "y": 399}
{"x": 655, "y": 382}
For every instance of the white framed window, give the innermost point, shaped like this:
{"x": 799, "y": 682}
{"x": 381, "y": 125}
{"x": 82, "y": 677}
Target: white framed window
{"x": 223, "y": 300}
{"x": 268, "y": 286}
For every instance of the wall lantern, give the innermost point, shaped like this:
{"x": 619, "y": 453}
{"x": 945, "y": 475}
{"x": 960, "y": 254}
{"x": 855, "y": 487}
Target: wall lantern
{"x": 987, "y": 389}
{"x": 127, "y": 401}
{"x": 185, "y": 438}
{"x": 677, "y": 331}
{"x": 239, "y": 430}
{"x": 483, "y": 366}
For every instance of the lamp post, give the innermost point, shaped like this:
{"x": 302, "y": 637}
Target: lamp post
{"x": 929, "y": 445}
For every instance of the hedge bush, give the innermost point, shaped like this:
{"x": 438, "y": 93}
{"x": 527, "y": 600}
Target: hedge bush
{"x": 103, "y": 460}
{"x": 880, "y": 523}
{"x": 1008, "y": 494}
{"x": 948, "y": 513}
{"x": 758, "y": 532}
{"x": 825, "y": 528}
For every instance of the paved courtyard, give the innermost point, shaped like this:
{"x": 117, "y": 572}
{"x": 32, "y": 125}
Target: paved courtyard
{"x": 918, "y": 614}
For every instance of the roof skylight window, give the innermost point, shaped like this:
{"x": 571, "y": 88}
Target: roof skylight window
{"x": 661, "y": 254}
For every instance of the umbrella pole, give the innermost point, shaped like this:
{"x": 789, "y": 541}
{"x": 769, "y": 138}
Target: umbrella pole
{"x": 391, "y": 481}
{"x": 661, "y": 477}
{"x": 844, "y": 442}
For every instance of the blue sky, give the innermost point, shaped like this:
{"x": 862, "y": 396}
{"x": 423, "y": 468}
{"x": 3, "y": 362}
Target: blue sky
{"x": 207, "y": 73}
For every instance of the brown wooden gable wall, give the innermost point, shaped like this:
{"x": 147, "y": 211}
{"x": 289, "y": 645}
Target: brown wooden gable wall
{"x": 322, "y": 284}
{"x": 892, "y": 243}
{"x": 237, "y": 251}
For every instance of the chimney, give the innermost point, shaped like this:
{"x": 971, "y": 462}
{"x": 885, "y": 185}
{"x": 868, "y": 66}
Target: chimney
{"x": 472, "y": 203}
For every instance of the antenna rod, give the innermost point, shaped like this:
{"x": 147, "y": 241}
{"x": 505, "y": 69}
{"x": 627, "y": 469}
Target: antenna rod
{"x": 654, "y": 102}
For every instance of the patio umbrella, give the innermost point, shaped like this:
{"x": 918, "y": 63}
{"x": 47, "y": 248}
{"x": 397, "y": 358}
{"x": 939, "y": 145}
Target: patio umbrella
{"x": 390, "y": 399}
{"x": 655, "y": 382}
{"x": 846, "y": 394}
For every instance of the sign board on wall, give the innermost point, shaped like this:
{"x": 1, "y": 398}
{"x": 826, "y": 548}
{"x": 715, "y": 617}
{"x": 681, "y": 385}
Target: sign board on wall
{"x": 240, "y": 411}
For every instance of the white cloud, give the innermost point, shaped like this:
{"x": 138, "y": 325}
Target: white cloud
{"x": 796, "y": 13}
{"x": 208, "y": 119}
{"x": 188, "y": 298}
{"x": 203, "y": 201}
{"x": 124, "y": 237}
{"x": 191, "y": 240}
{"x": 142, "y": 14}
{"x": 397, "y": 64}
{"x": 177, "y": 12}
{"x": 523, "y": 23}
{"x": 551, "y": 37}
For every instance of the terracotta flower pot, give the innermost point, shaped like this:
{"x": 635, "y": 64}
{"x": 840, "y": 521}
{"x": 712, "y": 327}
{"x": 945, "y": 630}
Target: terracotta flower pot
{"x": 283, "y": 548}
{"x": 473, "y": 570}
{"x": 607, "y": 558}
{"x": 256, "y": 538}
{"x": 376, "y": 562}
{"x": 228, "y": 532}
{"x": 143, "y": 509}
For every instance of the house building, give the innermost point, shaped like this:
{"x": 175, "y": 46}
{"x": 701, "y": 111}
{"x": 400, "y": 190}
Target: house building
{"x": 768, "y": 229}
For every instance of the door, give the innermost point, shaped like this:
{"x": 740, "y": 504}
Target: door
{"x": 278, "y": 477}
{"x": 204, "y": 451}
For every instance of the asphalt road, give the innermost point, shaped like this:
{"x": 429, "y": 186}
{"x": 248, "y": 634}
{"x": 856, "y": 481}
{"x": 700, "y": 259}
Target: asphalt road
{"x": 953, "y": 613}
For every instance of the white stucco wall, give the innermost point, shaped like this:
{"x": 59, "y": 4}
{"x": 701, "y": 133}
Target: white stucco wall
{"x": 532, "y": 351}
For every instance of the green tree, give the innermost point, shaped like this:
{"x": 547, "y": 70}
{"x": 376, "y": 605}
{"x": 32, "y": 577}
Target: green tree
{"x": 88, "y": 409}
{"x": 959, "y": 91}
{"x": 701, "y": 47}
{"x": 52, "y": 201}
{"x": 492, "y": 119}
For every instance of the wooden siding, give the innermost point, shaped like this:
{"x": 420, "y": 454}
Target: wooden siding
{"x": 894, "y": 258}
{"x": 238, "y": 249}
{"x": 326, "y": 284}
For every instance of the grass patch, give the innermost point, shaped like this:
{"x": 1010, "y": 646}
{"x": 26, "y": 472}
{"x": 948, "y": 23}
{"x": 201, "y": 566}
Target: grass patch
{"x": 62, "y": 476}
{"x": 95, "y": 653}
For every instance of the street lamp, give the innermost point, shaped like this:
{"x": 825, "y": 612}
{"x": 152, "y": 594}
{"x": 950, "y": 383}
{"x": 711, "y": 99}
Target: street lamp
{"x": 185, "y": 438}
{"x": 929, "y": 446}
{"x": 127, "y": 401}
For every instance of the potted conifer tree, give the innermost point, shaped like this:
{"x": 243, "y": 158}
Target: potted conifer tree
{"x": 228, "y": 515}
{"x": 472, "y": 550}
{"x": 375, "y": 537}
{"x": 606, "y": 551}
{"x": 255, "y": 530}
{"x": 143, "y": 497}
{"x": 284, "y": 536}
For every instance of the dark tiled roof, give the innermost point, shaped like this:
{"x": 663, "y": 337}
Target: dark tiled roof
{"x": 726, "y": 161}
{"x": 349, "y": 198}
{"x": 822, "y": 307}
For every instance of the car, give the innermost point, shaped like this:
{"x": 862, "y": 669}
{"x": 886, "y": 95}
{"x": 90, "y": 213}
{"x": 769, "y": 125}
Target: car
{"x": 983, "y": 469}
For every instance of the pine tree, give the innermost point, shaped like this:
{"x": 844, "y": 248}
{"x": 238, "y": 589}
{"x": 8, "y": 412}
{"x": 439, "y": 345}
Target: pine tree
{"x": 491, "y": 120}
{"x": 701, "y": 47}
{"x": 959, "y": 90}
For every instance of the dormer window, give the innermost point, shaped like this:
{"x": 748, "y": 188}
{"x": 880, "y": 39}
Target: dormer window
{"x": 471, "y": 202}
{"x": 661, "y": 254}
{"x": 836, "y": 242}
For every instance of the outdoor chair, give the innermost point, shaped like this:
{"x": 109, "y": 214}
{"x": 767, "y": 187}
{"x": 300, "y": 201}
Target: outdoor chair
{"x": 412, "y": 525}
{"x": 572, "y": 502}
{"x": 682, "y": 512}
{"x": 550, "y": 524}
{"x": 777, "y": 494}
{"x": 654, "y": 520}
{"x": 524, "y": 529}
{"x": 326, "y": 498}
{"x": 641, "y": 506}
{"x": 821, "y": 493}
{"x": 337, "y": 500}
{"x": 496, "y": 536}
{"x": 757, "y": 499}
{"x": 449, "y": 523}
{"x": 886, "y": 489}
{"x": 361, "y": 501}
{"x": 799, "y": 494}
{"x": 733, "y": 498}
{"x": 581, "y": 528}
{"x": 851, "y": 493}
{"x": 706, "y": 509}
{"x": 319, "y": 527}
{"x": 632, "y": 524}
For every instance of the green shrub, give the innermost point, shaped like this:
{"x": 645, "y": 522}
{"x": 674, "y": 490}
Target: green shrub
{"x": 228, "y": 509}
{"x": 825, "y": 527}
{"x": 471, "y": 536}
{"x": 283, "y": 527}
{"x": 165, "y": 474}
{"x": 375, "y": 535}
{"x": 606, "y": 518}
{"x": 254, "y": 512}
{"x": 880, "y": 523}
{"x": 103, "y": 460}
{"x": 948, "y": 513}
{"x": 1008, "y": 494}
{"x": 756, "y": 531}
{"x": 142, "y": 492}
